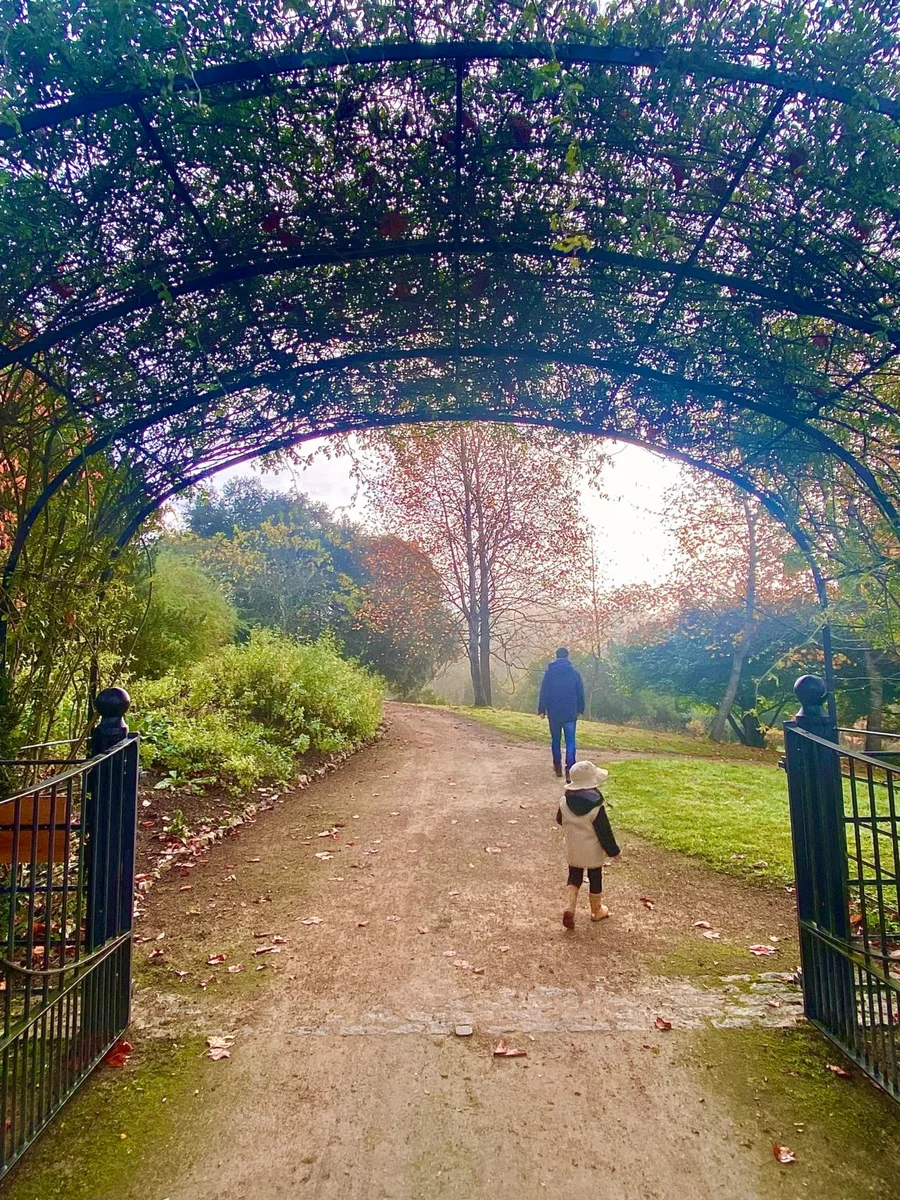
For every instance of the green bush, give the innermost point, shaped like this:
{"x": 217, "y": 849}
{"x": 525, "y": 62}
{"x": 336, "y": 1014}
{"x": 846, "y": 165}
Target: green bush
{"x": 187, "y": 618}
{"x": 249, "y": 712}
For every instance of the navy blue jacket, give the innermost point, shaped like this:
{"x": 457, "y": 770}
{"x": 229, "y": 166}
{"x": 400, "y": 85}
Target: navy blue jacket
{"x": 562, "y": 692}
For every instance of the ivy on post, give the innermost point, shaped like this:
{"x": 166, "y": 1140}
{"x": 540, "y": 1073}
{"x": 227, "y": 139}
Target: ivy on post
{"x": 816, "y": 799}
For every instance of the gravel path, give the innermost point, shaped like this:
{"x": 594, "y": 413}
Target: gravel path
{"x": 348, "y": 1078}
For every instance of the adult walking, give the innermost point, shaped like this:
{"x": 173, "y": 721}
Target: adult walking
{"x": 562, "y": 702}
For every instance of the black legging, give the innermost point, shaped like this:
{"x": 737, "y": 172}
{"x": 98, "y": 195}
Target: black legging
{"x": 595, "y": 878}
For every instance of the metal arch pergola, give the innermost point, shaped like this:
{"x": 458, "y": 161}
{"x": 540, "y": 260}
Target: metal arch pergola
{"x": 688, "y": 242}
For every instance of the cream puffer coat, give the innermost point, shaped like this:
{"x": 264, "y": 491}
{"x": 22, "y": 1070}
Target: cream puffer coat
{"x": 589, "y": 836}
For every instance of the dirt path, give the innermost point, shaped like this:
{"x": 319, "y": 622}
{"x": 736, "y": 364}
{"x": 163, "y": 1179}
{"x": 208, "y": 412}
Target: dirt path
{"x": 347, "y": 1079}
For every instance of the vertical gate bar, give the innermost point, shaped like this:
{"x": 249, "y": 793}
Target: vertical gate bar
{"x": 816, "y": 801}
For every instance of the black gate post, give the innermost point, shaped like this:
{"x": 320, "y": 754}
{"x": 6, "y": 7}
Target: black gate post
{"x": 111, "y": 827}
{"x": 818, "y": 830}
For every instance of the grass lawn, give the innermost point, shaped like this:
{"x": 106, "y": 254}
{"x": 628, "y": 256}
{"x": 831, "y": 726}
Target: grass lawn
{"x": 712, "y": 810}
{"x": 726, "y": 805}
{"x": 594, "y": 735}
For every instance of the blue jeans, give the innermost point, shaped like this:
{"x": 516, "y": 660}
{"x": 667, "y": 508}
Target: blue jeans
{"x": 557, "y": 729}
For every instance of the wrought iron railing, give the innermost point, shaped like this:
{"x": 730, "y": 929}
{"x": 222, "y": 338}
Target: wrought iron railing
{"x": 845, "y": 815}
{"x": 66, "y": 871}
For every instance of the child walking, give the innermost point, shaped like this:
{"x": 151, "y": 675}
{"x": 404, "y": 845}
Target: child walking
{"x": 589, "y": 838}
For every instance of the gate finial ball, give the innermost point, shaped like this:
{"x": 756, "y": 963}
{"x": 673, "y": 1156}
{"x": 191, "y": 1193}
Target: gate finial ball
{"x": 112, "y": 702}
{"x": 811, "y": 691}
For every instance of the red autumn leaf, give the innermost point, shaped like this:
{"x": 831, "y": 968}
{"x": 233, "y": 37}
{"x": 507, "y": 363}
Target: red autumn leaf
{"x": 663, "y": 1024}
{"x": 447, "y": 138}
{"x": 862, "y": 229}
{"x": 216, "y": 960}
{"x": 60, "y": 288}
{"x": 369, "y": 178}
{"x": 820, "y": 341}
{"x": 762, "y": 950}
{"x": 393, "y": 225}
{"x": 679, "y": 174}
{"x": 841, "y": 1072}
{"x": 288, "y": 239}
{"x": 702, "y": 925}
{"x": 504, "y": 1050}
{"x": 272, "y": 220}
{"x": 400, "y": 291}
{"x": 521, "y": 130}
{"x": 119, "y": 1054}
{"x": 156, "y": 955}
{"x": 783, "y": 1154}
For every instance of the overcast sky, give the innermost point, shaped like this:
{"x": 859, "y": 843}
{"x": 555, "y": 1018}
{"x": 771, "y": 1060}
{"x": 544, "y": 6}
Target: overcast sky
{"x": 630, "y": 541}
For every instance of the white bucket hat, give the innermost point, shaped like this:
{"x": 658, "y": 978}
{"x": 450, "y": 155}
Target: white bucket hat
{"x": 586, "y": 775}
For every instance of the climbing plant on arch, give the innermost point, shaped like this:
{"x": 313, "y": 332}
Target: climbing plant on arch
{"x": 234, "y": 226}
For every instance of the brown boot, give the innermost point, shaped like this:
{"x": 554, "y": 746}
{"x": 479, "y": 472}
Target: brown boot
{"x": 571, "y": 901}
{"x": 599, "y": 911}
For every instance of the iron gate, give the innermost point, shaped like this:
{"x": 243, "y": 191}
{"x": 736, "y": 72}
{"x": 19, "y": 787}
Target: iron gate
{"x": 844, "y": 807}
{"x": 67, "y": 840}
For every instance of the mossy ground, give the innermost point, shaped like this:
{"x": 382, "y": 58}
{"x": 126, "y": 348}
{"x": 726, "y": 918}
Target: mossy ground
{"x": 119, "y": 1123}
{"x": 778, "y": 1089}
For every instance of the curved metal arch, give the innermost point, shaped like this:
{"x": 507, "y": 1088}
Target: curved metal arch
{"x": 449, "y": 354}
{"x": 685, "y": 62}
{"x": 771, "y": 503}
{"x": 223, "y": 276}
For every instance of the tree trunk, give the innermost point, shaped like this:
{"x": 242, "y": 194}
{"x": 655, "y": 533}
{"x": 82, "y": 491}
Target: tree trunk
{"x": 875, "y": 715}
{"x": 473, "y": 655}
{"x": 742, "y": 649}
{"x": 717, "y": 728}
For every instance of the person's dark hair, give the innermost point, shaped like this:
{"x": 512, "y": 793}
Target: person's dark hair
{"x": 562, "y": 652}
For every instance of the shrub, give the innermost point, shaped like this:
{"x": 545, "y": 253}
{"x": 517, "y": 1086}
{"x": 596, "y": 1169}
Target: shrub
{"x": 248, "y": 712}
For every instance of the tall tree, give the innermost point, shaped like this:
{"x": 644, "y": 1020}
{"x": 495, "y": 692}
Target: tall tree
{"x": 497, "y": 512}
{"x": 733, "y": 557}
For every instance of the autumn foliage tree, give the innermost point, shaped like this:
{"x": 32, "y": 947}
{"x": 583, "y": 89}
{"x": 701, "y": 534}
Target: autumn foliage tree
{"x": 496, "y": 510}
{"x": 732, "y": 558}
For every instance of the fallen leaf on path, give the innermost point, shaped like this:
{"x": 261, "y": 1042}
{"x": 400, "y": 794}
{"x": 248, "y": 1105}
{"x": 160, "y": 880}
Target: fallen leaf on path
{"x": 156, "y": 955}
{"x": 256, "y": 859}
{"x": 463, "y": 964}
{"x": 449, "y": 954}
{"x": 504, "y": 1050}
{"x": 361, "y": 924}
{"x": 311, "y": 921}
{"x": 463, "y": 1030}
{"x": 119, "y": 1054}
{"x": 503, "y": 949}
{"x": 841, "y": 1072}
{"x": 493, "y": 849}
{"x": 759, "y": 866}
{"x": 454, "y": 892}
{"x": 217, "y": 1041}
{"x": 392, "y": 918}
{"x": 279, "y": 941}
{"x": 662, "y": 1023}
{"x": 218, "y": 1054}
{"x": 762, "y": 950}
{"x": 264, "y": 935}
{"x": 235, "y": 969}
{"x": 187, "y": 887}
{"x": 783, "y": 1154}
{"x": 647, "y": 902}
{"x": 267, "y": 950}
{"x": 216, "y": 960}
{"x": 422, "y": 929}
{"x": 478, "y": 970}
{"x": 711, "y": 935}
{"x": 324, "y": 855}
{"x": 702, "y": 925}
{"x": 179, "y": 975}
{"x": 772, "y": 1002}
{"x": 395, "y": 814}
